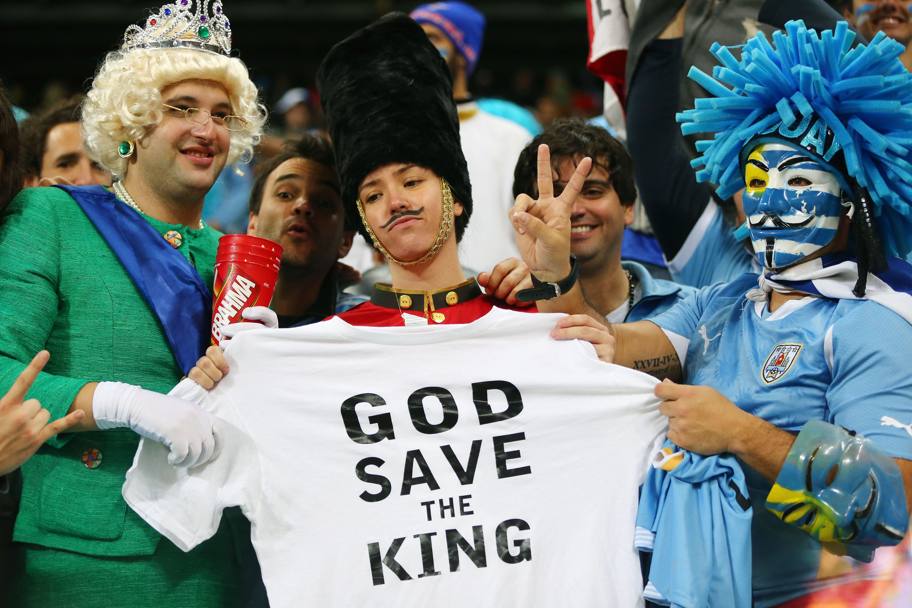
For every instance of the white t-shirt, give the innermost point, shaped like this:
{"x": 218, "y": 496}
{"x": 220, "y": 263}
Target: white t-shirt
{"x": 491, "y": 146}
{"x": 454, "y": 465}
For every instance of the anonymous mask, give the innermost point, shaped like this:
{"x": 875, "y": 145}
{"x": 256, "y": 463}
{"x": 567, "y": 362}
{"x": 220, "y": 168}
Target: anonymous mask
{"x": 837, "y": 487}
{"x": 792, "y": 202}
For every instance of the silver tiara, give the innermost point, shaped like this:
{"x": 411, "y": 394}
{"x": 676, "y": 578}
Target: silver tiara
{"x": 198, "y": 24}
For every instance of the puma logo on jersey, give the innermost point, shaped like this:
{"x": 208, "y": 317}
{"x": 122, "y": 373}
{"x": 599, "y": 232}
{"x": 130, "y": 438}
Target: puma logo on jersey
{"x": 706, "y": 339}
{"x": 780, "y": 362}
{"x": 888, "y": 421}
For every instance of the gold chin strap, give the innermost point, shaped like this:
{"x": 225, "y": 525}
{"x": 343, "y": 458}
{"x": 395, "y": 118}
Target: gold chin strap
{"x": 443, "y": 231}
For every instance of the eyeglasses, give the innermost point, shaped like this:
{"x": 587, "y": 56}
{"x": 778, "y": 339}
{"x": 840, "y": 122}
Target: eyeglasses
{"x": 199, "y": 116}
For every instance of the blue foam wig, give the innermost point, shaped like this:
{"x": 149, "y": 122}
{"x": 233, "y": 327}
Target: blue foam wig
{"x": 851, "y": 107}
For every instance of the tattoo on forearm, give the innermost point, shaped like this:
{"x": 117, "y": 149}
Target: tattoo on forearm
{"x": 666, "y": 366}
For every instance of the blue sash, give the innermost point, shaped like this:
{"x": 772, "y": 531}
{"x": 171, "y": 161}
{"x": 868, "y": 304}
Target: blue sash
{"x": 169, "y": 284}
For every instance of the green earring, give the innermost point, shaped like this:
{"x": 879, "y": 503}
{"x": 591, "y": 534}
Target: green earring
{"x": 125, "y": 149}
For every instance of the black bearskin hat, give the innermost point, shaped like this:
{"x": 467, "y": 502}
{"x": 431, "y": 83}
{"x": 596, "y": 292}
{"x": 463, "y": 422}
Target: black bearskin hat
{"x": 388, "y": 98}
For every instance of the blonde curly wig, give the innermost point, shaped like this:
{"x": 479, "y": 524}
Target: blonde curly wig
{"x": 125, "y": 99}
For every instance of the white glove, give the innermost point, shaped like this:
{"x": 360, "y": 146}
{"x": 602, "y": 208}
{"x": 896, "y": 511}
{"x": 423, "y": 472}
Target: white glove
{"x": 258, "y": 317}
{"x": 190, "y": 391}
{"x": 182, "y": 427}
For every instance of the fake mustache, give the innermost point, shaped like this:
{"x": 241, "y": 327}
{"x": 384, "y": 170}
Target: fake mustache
{"x": 778, "y": 222}
{"x": 401, "y": 214}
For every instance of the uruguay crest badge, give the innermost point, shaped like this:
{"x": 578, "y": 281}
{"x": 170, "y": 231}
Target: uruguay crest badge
{"x": 780, "y": 361}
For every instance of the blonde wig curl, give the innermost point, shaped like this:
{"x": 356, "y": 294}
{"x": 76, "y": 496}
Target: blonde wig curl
{"x": 125, "y": 99}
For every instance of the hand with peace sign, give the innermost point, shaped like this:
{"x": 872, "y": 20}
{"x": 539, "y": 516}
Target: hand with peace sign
{"x": 24, "y": 423}
{"x": 543, "y": 224}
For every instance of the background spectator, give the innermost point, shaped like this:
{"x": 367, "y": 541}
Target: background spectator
{"x": 53, "y": 150}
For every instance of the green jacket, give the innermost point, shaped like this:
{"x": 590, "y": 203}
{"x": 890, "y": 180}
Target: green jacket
{"x": 62, "y": 289}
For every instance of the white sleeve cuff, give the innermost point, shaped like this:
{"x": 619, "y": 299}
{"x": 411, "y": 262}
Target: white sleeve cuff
{"x": 679, "y": 342}
{"x": 111, "y": 404}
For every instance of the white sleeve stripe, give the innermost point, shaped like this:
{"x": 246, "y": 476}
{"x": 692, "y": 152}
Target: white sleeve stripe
{"x": 643, "y": 539}
{"x": 679, "y": 342}
{"x": 685, "y": 253}
{"x": 653, "y": 595}
{"x": 828, "y": 347}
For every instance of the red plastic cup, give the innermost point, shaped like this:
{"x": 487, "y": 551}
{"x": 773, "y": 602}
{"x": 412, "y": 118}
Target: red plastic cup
{"x": 246, "y": 270}
{"x": 244, "y": 256}
{"x": 253, "y": 243}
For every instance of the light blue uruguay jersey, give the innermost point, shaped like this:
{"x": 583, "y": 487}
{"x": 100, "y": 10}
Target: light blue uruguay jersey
{"x": 842, "y": 361}
{"x": 710, "y": 252}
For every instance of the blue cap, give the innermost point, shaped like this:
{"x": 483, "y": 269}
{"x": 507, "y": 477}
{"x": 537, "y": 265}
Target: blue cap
{"x": 462, "y": 24}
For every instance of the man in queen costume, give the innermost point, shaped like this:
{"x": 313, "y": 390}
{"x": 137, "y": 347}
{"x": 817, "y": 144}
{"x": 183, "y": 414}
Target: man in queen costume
{"x": 803, "y": 378}
{"x": 115, "y": 286}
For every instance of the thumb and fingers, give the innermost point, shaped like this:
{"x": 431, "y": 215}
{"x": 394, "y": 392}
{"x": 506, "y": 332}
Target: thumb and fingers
{"x": 577, "y": 320}
{"x": 23, "y": 383}
{"x": 255, "y": 317}
{"x": 61, "y": 425}
{"x": 543, "y": 180}
{"x": 523, "y": 217}
{"x": 32, "y": 417}
{"x": 189, "y": 434}
{"x": 31, "y": 430}
{"x": 36, "y": 417}
{"x": 56, "y": 180}
{"x": 261, "y": 314}
{"x": 526, "y": 223}
{"x": 545, "y": 220}
{"x": 210, "y": 368}
{"x": 230, "y": 331}
{"x": 192, "y": 452}
{"x": 543, "y": 247}
{"x": 491, "y": 280}
{"x": 522, "y": 281}
{"x": 575, "y": 327}
{"x": 584, "y": 327}
{"x": 669, "y": 390}
{"x": 505, "y": 279}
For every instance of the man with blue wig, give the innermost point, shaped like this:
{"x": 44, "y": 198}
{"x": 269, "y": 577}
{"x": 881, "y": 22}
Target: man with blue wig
{"x": 801, "y": 372}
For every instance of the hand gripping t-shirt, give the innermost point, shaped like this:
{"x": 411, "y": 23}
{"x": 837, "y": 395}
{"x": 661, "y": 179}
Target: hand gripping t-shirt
{"x": 456, "y": 465}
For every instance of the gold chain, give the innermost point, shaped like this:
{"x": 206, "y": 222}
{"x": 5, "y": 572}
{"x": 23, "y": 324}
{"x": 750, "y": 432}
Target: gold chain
{"x": 443, "y": 231}
{"x": 631, "y": 289}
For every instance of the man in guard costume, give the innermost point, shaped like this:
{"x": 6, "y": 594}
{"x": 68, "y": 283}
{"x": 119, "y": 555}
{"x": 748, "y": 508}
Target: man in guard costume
{"x": 387, "y": 95}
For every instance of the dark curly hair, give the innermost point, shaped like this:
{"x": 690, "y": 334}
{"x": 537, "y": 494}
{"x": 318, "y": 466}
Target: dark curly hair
{"x": 573, "y": 138}
{"x": 309, "y": 147}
